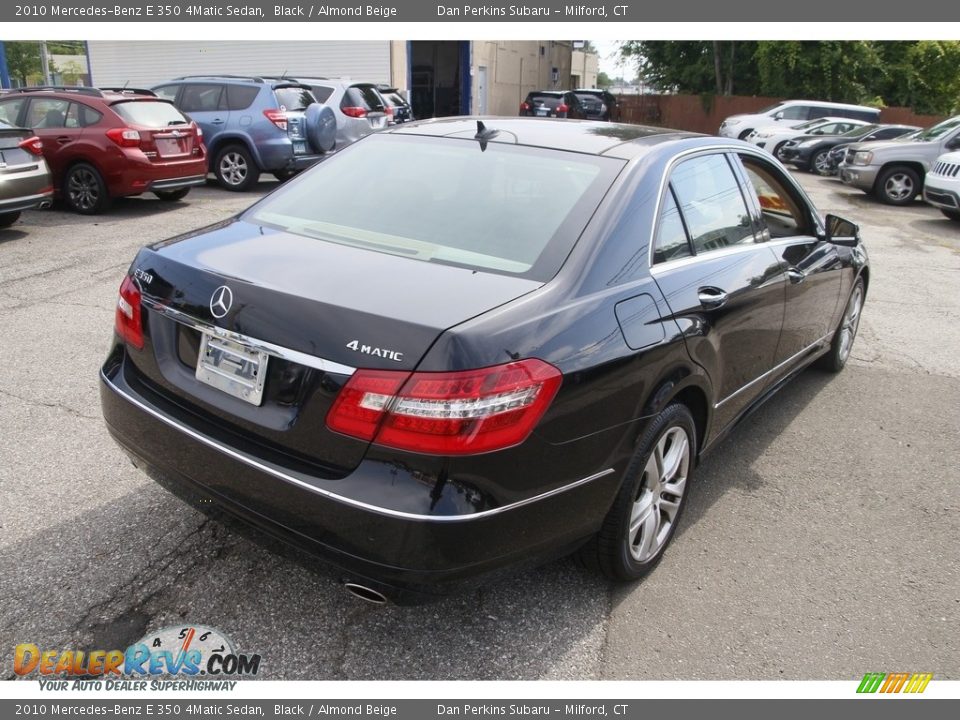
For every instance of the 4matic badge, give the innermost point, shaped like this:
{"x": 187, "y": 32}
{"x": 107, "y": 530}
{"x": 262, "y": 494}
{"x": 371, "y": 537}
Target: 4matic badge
{"x": 375, "y": 351}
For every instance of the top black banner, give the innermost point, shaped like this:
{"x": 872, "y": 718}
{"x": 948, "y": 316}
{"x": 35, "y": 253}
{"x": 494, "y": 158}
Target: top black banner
{"x": 538, "y": 11}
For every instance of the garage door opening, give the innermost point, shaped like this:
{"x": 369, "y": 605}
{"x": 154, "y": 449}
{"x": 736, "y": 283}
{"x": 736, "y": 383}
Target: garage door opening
{"x": 439, "y": 77}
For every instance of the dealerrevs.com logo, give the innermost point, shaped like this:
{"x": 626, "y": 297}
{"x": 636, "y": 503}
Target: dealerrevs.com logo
{"x": 201, "y": 657}
{"x": 887, "y": 683}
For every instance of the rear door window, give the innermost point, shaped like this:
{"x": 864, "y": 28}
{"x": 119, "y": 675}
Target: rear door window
{"x": 797, "y": 112}
{"x": 712, "y": 204}
{"x": 81, "y": 116}
{"x": 47, "y": 113}
{"x": 201, "y": 97}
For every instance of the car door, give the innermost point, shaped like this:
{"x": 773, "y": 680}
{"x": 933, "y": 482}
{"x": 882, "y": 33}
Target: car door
{"x": 47, "y": 116}
{"x": 206, "y": 104}
{"x": 724, "y": 289}
{"x": 811, "y": 268}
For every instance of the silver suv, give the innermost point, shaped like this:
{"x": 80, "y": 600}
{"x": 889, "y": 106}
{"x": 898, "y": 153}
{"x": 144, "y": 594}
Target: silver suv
{"x": 359, "y": 107}
{"x": 893, "y": 170}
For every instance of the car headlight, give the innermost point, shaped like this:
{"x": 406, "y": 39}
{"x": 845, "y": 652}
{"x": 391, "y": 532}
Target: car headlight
{"x": 808, "y": 143}
{"x": 732, "y": 122}
{"x": 862, "y": 157}
{"x": 762, "y": 135}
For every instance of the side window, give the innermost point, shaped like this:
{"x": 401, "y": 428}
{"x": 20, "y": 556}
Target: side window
{"x": 671, "y": 241}
{"x": 47, "y": 113}
{"x": 167, "y": 92}
{"x": 796, "y": 112}
{"x": 240, "y": 97}
{"x": 711, "y": 203}
{"x": 781, "y": 209}
{"x": 322, "y": 93}
{"x": 81, "y": 116}
{"x": 819, "y": 112}
{"x": 200, "y": 98}
{"x": 10, "y": 110}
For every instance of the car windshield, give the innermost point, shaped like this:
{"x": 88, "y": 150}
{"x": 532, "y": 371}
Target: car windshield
{"x": 294, "y": 98}
{"x": 149, "y": 113}
{"x": 937, "y": 130}
{"x": 494, "y": 206}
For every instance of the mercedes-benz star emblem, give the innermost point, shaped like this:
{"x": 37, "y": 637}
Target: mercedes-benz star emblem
{"x": 220, "y": 301}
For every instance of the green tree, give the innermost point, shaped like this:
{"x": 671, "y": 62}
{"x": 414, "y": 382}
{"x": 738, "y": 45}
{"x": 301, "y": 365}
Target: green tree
{"x": 921, "y": 75}
{"x": 714, "y": 67}
{"x": 23, "y": 60}
{"x": 834, "y": 70}
{"x": 603, "y": 80}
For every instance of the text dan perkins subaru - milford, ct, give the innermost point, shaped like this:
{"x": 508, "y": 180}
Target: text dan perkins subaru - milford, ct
{"x": 516, "y": 344}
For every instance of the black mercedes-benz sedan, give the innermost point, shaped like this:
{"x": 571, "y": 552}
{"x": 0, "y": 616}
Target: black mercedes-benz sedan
{"x": 517, "y": 343}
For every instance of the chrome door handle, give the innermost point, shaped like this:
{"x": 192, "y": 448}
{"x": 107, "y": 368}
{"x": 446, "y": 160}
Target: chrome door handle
{"x": 216, "y": 121}
{"x": 711, "y": 297}
{"x": 795, "y": 275}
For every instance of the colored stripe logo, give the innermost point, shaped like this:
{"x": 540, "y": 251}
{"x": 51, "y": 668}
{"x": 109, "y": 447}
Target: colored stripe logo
{"x": 894, "y": 682}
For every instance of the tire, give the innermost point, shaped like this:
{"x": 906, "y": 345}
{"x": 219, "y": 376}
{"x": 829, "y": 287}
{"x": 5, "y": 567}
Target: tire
{"x": 172, "y": 195}
{"x": 821, "y": 165}
{"x": 952, "y": 214}
{"x": 898, "y": 185}
{"x": 84, "y": 190}
{"x": 284, "y": 175}
{"x": 778, "y": 149}
{"x": 743, "y": 135}
{"x": 650, "y": 497}
{"x": 8, "y": 219}
{"x": 321, "y": 124}
{"x": 235, "y": 168}
{"x": 842, "y": 343}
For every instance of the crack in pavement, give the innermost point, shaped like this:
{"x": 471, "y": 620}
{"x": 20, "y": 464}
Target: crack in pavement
{"x": 55, "y": 406}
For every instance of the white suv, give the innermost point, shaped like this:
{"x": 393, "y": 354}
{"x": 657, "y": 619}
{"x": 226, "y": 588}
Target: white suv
{"x": 739, "y": 126}
{"x": 941, "y": 188}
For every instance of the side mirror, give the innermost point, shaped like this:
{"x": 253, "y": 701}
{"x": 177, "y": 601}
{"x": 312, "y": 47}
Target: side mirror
{"x": 952, "y": 143}
{"x": 841, "y": 231}
{"x": 778, "y": 116}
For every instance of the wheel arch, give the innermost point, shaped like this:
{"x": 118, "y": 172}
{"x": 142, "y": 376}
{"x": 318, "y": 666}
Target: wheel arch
{"x": 231, "y": 138}
{"x": 690, "y": 389}
{"x": 914, "y": 165}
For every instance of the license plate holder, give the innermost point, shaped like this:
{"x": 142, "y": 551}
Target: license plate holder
{"x": 234, "y": 368}
{"x": 167, "y": 147}
{"x": 299, "y": 147}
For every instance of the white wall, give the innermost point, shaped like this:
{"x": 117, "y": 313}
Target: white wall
{"x": 146, "y": 63}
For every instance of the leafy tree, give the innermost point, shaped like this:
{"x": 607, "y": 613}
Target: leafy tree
{"x": 834, "y": 70}
{"x": 23, "y": 60}
{"x": 603, "y": 80}
{"x": 715, "y": 67}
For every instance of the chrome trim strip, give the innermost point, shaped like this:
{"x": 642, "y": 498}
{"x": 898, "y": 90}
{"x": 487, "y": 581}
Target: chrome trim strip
{"x": 279, "y": 474}
{"x": 772, "y": 370}
{"x": 262, "y": 345}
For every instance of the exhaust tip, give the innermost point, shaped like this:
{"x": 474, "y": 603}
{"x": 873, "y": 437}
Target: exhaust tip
{"x": 366, "y": 594}
{"x": 44, "y": 205}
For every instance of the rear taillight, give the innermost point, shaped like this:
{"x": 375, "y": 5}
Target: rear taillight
{"x": 561, "y": 108}
{"x": 198, "y": 131}
{"x": 128, "y": 323}
{"x": 446, "y": 413}
{"x": 32, "y": 145}
{"x": 124, "y": 137}
{"x": 524, "y": 107}
{"x": 277, "y": 117}
{"x": 389, "y": 110}
{"x": 354, "y": 112}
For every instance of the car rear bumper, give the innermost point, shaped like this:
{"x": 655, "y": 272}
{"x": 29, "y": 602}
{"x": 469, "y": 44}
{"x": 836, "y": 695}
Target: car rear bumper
{"x": 409, "y": 557}
{"x": 139, "y": 175}
{"x": 178, "y": 183}
{"x": 24, "y": 187}
{"x": 26, "y": 202}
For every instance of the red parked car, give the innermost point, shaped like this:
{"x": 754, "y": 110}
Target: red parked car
{"x": 104, "y": 143}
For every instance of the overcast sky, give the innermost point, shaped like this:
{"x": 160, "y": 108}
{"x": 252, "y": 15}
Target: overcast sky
{"x": 609, "y": 57}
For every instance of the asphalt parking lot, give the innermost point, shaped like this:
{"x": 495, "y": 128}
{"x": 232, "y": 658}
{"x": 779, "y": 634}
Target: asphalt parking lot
{"x": 821, "y": 541}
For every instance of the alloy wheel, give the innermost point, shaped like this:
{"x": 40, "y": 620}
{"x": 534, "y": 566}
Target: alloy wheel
{"x": 657, "y": 504}
{"x": 233, "y": 168}
{"x": 899, "y": 186}
{"x": 822, "y": 164}
{"x": 83, "y": 189}
{"x": 851, "y": 322}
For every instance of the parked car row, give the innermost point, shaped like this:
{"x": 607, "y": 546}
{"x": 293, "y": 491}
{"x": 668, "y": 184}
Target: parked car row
{"x": 583, "y": 104}
{"x": 89, "y": 145}
{"x": 895, "y": 163}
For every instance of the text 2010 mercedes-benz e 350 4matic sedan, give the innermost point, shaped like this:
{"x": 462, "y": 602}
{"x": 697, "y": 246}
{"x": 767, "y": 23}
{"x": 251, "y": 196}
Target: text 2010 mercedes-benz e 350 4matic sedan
{"x": 517, "y": 342}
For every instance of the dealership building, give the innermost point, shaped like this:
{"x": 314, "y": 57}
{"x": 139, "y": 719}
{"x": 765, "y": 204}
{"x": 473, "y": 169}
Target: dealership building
{"x": 442, "y": 78}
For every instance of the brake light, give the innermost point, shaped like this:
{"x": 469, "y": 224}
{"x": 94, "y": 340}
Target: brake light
{"x": 277, "y": 117}
{"x": 197, "y": 130}
{"x": 127, "y": 319}
{"x": 561, "y": 108}
{"x": 32, "y": 145}
{"x": 124, "y": 137}
{"x": 355, "y": 112}
{"x": 389, "y": 110}
{"x": 524, "y": 107}
{"x": 446, "y": 413}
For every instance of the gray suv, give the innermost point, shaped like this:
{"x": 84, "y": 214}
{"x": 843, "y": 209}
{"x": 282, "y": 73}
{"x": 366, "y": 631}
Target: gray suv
{"x": 359, "y": 107}
{"x": 893, "y": 170}
{"x": 254, "y": 124}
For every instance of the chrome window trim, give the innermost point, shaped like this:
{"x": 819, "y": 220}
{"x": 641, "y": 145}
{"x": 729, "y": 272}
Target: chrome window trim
{"x": 280, "y": 475}
{"x": 774, "y": 369}
{"x": 270, "y": 348}
{"x": 724, "y": 148}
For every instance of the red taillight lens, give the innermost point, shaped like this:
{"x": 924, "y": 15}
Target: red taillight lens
{"x": 446, "y": 413}
{"x": 198, "y": 131}
{"x": 389, "y": 110}
{"x": 354, "y": 112}
{"x": 127, "y": 322}
{"x": 524, "y": 107}
{"x": 32, "y": 145}
{"x": 277, "y": 117}
{"x": 561, "y": 108}
{"x": 124, "y": 137}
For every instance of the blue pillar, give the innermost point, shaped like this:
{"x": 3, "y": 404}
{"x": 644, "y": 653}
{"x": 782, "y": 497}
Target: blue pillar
{"x": 4, "y": 72}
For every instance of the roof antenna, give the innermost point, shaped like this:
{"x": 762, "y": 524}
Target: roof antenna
{"x": 484, "y": 134}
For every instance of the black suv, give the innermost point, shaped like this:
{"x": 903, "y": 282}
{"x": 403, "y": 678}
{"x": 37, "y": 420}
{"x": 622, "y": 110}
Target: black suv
{"x": 599, "y": 104}
{"x": 553, "y": 103}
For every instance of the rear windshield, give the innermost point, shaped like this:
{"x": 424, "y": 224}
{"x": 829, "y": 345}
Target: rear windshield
{"x": 365, "y": 96}
{"x": 550, "y": 101}
{"x": 151, "y": 113}
{"x": 294, "y": 98}
{"x": 507, "y": 209}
